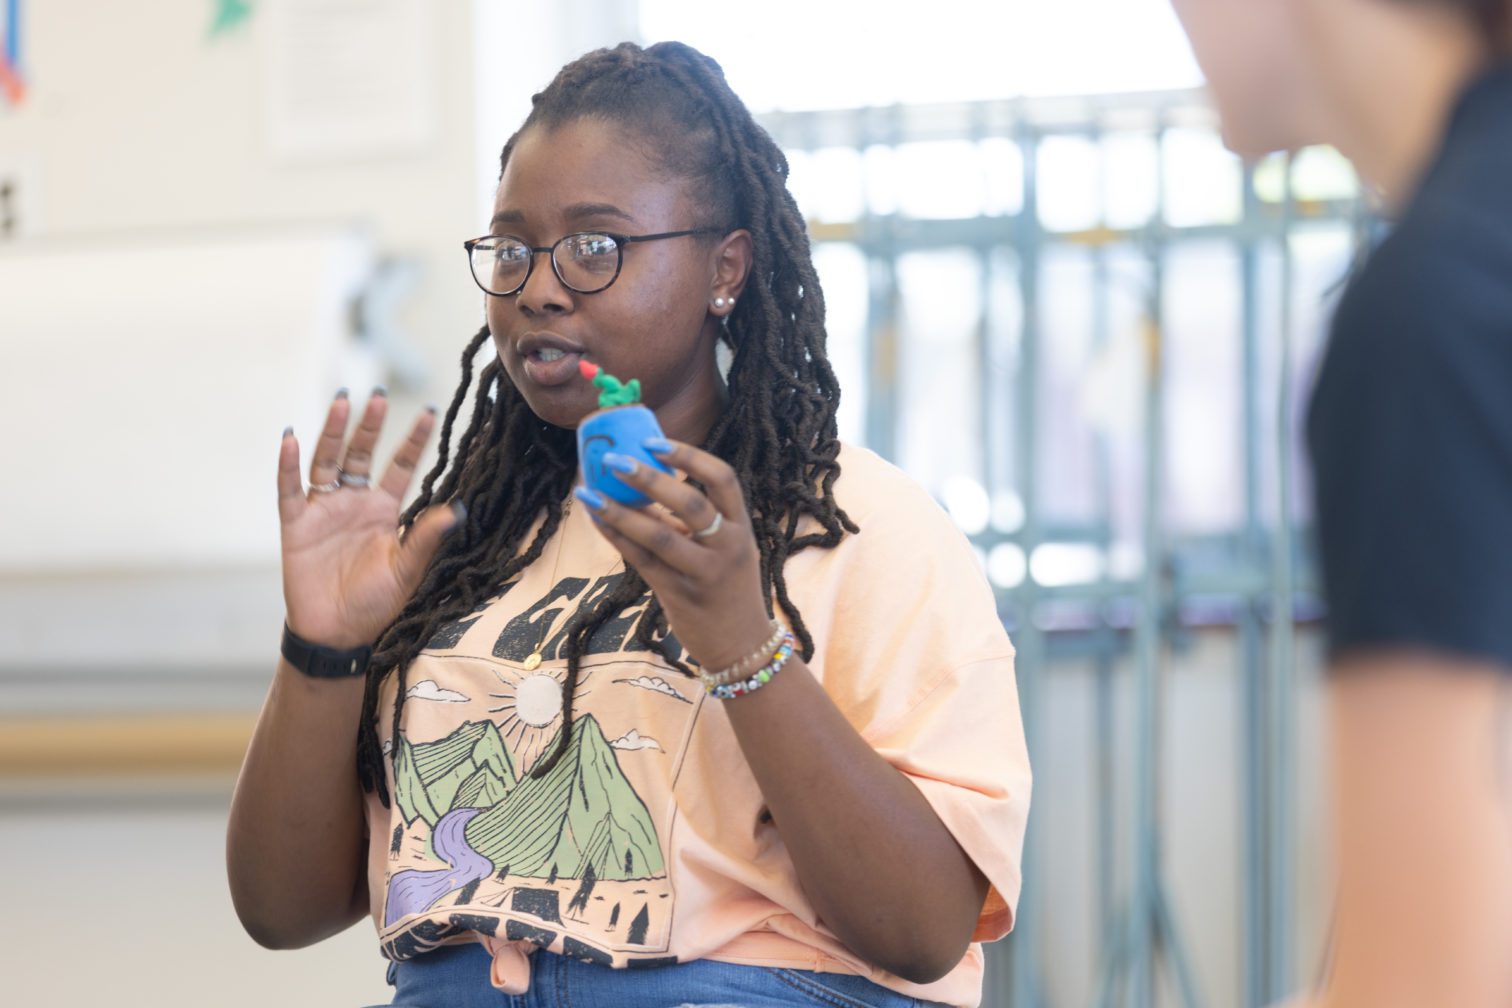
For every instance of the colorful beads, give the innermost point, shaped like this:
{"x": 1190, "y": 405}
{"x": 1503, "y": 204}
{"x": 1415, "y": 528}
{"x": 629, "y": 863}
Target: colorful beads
{"x": 762, "y": 676}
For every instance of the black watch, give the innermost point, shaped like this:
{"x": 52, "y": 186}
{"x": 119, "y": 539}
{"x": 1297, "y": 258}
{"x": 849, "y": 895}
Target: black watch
{"x": 323, "y": 662}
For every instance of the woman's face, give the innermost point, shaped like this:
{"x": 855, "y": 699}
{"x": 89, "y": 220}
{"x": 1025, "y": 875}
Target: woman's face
{"x": 1254, "y": 54}
{"x": 654, "y": 323}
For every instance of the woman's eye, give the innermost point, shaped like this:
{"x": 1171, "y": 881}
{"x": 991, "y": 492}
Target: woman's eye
{"x": 594, "y": 246}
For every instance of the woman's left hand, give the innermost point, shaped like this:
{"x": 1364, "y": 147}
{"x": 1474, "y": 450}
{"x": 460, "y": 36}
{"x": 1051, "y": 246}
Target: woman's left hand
{"x": 830, "y": 794}
{"x": 709, "y": 585}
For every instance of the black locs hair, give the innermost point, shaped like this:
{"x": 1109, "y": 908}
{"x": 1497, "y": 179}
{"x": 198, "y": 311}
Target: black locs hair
{"x": 1492, "y": 18}
{"x": 778, "y": 430}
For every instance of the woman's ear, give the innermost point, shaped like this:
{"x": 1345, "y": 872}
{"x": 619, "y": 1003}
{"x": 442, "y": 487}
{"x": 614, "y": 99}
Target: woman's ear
{"x": 732, "y": 265}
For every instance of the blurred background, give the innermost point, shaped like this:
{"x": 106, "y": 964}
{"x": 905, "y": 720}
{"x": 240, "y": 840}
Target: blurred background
{"x": 1054, "y": 298}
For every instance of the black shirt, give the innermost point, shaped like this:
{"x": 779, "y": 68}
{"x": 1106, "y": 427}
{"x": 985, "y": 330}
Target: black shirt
{"x": 1410, "y": 427}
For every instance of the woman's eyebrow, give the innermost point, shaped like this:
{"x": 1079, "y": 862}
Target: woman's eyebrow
{"x": 581, "y": 210}
{"x": 575, "y": 212}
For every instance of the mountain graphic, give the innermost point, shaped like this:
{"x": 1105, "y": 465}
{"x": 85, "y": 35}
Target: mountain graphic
{"x": 584, "y": 812}
{"x": 470, "y": 768}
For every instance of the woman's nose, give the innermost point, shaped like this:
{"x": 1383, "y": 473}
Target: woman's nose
{"x": 544, "y": 291}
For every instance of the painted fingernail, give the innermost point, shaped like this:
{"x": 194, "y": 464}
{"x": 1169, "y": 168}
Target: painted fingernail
{"x": 379, "y": 390}
{"x": 592, "y": 498}
{"x": 459, "y": 509}
{"x": 430, "y": 407}
{"x": 620, "y": 463}
{"x": 341, "y": 393}
{"x": 657, "y": 445}
{"x": 288, "y": 430}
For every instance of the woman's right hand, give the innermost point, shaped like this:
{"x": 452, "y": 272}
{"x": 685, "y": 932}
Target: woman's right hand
{"x": 347, "y": 572}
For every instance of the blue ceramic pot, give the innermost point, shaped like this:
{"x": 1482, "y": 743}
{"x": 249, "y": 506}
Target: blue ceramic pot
{"x": 619, "y": 429}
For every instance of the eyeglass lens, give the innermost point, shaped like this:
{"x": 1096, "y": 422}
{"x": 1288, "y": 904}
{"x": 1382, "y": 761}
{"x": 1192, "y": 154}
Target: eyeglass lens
{"x": 585, "y": 262}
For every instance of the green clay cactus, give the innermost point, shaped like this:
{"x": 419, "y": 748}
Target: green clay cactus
{"x": 612, "y": 392}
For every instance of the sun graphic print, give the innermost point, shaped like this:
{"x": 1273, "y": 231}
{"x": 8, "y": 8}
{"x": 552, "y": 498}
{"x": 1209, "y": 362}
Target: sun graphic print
{"x": 528, "y": 709}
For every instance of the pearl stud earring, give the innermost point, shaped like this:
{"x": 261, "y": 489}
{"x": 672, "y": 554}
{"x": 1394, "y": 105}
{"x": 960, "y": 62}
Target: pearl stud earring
{"x": 721, "y": 302}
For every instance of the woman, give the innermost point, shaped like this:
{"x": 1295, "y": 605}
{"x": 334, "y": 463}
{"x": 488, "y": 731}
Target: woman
{"x": 1410, "y": 431}
{"x": 565, "y": 796}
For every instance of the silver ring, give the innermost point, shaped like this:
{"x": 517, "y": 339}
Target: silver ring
{"x": 357, "y": 481}
{"x": 704, "y": 533}
{"x": 330, "y": 487}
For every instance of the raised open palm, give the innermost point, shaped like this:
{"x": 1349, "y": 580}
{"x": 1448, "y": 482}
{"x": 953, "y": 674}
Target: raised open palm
{"x": 346, "y": 571}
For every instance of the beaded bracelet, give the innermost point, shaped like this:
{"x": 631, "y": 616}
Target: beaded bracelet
{"x": 739, "y": 670}
{"x": 729, "y": 691}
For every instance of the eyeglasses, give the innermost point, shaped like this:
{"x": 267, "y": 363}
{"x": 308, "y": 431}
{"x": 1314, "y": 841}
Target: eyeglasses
{"x": 586, "y": 262}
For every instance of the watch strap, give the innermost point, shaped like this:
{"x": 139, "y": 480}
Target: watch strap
{"x": 322, "y": 662}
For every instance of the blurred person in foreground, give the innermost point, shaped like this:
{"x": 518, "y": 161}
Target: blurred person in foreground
{"x": 1410, "y": 435}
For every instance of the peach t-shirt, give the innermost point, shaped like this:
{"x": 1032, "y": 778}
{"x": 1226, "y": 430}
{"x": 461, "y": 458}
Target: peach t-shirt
{"x": 648, "y": 842}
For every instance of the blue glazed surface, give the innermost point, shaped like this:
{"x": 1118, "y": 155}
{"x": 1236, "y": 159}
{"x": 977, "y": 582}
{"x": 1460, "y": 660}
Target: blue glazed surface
{"x": 621, "y": 429}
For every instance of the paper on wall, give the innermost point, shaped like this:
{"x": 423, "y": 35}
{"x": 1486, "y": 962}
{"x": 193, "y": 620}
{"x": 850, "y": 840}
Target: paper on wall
{"x": 349, "y": 78}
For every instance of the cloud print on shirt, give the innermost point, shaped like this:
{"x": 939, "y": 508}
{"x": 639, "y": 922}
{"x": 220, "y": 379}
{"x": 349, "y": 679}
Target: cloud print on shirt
{"x": 656, "y": 683}
{"x": 426, "y": 689}
{"x": 633, "y": 739}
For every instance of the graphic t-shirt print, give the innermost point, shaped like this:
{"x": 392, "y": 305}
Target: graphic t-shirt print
{"x": 571, "y": 859}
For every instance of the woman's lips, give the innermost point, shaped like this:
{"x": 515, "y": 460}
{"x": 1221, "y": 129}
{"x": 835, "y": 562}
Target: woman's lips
{"x": 541, "y": 369}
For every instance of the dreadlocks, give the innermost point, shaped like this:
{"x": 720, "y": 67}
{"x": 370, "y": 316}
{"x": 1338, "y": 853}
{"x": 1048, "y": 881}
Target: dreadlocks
{"x": 777, "y": 432}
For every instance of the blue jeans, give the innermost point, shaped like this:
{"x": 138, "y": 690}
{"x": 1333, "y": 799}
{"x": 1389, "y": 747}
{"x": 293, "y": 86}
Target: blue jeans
{"x": 456, "y": 976}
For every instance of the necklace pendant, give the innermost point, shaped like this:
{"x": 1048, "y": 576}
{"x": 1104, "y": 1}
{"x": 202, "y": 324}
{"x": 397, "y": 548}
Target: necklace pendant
{"x": 533, "y": 661}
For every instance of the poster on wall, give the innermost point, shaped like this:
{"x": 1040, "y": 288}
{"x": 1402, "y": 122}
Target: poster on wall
{"x": 12, "y": 85}
{"x": 349, "y": 80}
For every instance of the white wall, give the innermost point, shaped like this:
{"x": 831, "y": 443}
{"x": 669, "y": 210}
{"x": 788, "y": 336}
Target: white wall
{"x": 139, "y": 123}
{"x": 150, "y": 922}
{"x": 152, "y": 413}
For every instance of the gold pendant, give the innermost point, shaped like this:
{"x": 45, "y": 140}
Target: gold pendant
{"x": 533, "y": 661}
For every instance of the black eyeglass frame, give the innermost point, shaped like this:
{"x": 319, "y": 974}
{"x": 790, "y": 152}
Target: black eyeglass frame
{"x": 620, "y": 241}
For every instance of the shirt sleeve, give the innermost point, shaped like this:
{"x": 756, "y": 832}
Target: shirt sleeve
{"x": 917, "y": 658}
{"x": 1411, "y": 438}
{"x": 963, "y": 747}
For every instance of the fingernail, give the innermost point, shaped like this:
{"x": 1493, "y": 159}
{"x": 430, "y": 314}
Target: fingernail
{"x": 592, "y": 498}
{"x": 460, "y": 510}
{"x": 430, "y": 407}
{"x": 341, "y": 393}
{"x": 620, "y": 463}
{"x": 379, "y": 390}
{"x": 657, "y": 445}
{"x": 288, "y": 430}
